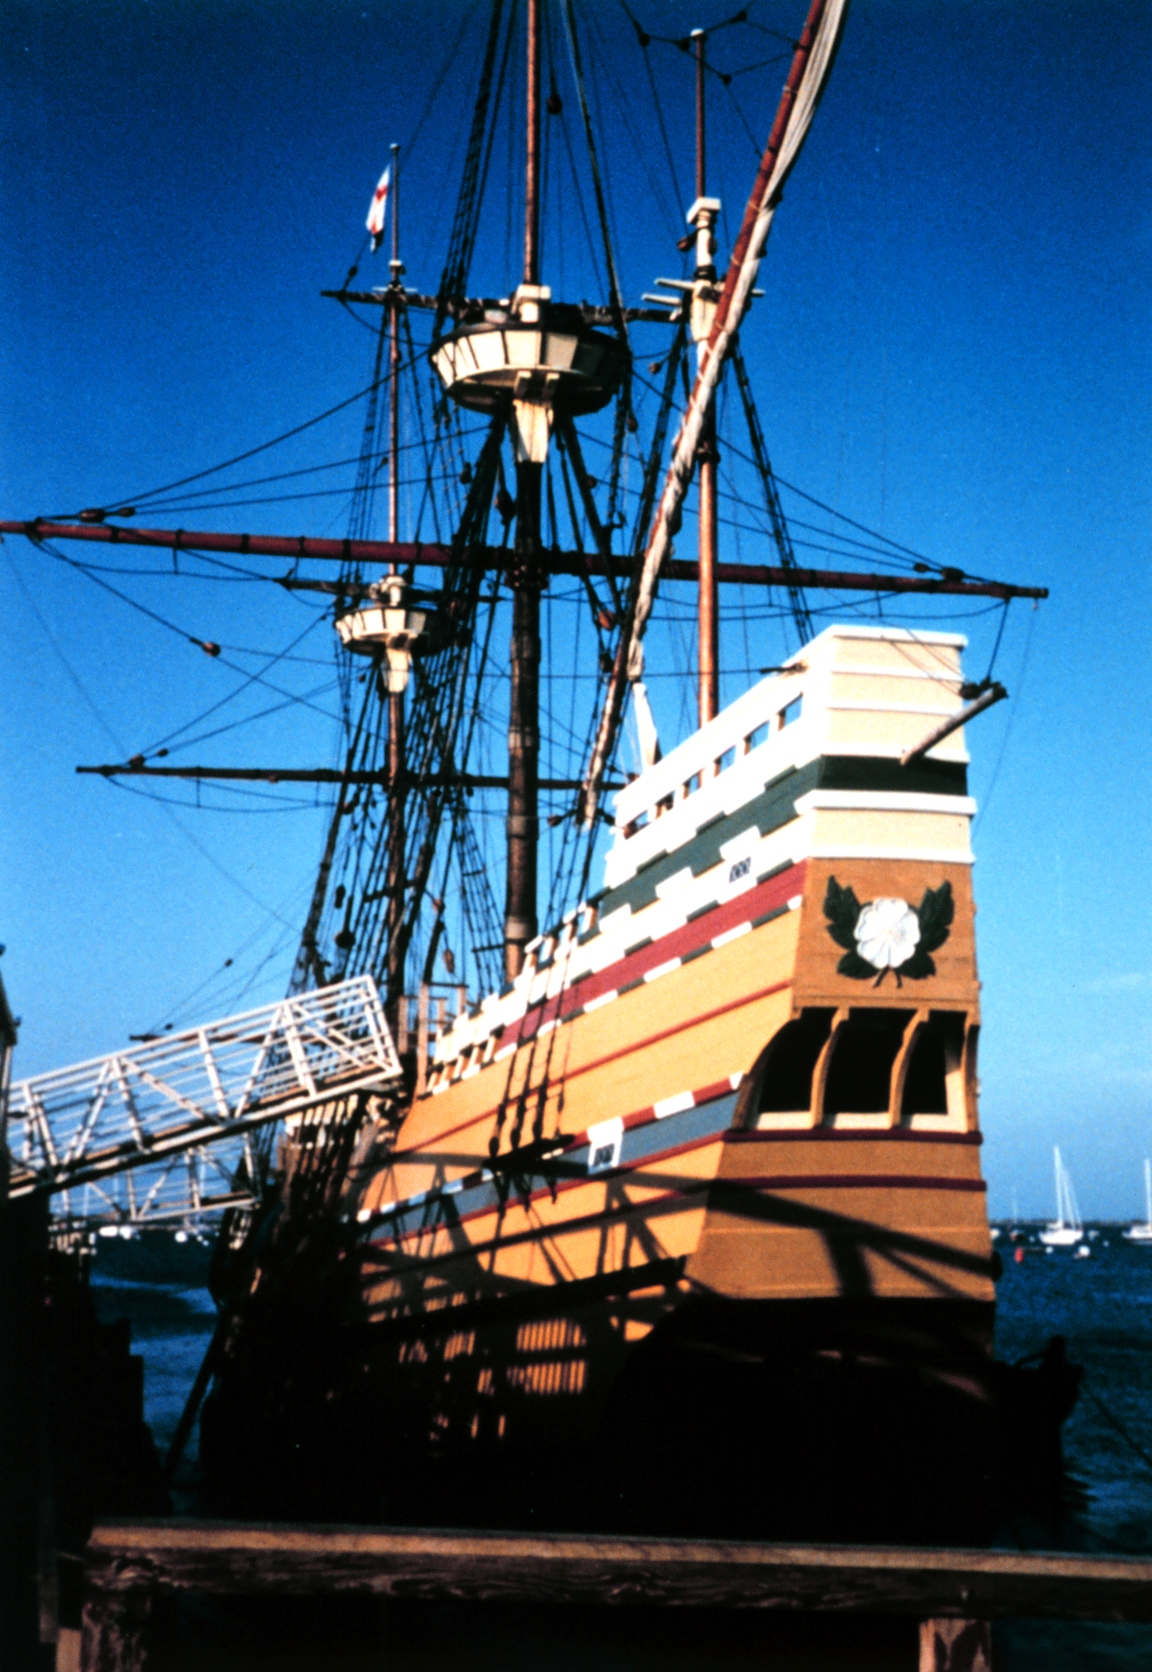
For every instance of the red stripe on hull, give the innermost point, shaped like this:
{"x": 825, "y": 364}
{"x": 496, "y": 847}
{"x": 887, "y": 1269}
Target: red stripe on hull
{"x": 823, "y": 1134}
{"x": 852, "y": 1181}
{"x": 571, "y": 1074}
{"x": 677, "y": 943}
{"x": 764, "y": 1181}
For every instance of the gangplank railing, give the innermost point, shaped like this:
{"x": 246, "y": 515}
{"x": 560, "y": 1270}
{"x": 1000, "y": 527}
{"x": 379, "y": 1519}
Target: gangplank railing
{"x": 166, "y": 1104}
{"x": 187, "y": 1191}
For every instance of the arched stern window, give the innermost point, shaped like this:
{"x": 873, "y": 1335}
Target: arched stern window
{"x": 789, "y": 1065}
{"x": 864, "y": 1053}
{"x": 935, "y": 1078}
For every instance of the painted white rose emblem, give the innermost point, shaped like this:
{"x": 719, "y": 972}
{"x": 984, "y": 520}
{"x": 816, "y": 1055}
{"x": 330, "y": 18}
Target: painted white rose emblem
{"x": 888, "y": 934}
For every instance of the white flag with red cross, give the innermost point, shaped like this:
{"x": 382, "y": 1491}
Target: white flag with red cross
{"x": 376, "y": 213}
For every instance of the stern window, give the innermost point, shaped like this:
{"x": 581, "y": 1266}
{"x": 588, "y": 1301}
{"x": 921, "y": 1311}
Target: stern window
{"x": 792, "y": 1055}
{"x": 936, "y": 1053}
{"x": 860, "y": 1072}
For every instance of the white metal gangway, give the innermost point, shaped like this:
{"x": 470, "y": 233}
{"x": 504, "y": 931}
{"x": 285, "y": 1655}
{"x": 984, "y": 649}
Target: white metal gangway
{"x": 183, "y": 1106}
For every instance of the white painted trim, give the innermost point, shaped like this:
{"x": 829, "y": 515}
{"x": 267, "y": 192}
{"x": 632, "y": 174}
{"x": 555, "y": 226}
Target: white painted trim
{"x": 742, "y": 845}
{"x": 674, "y": 1105}
{"x": 928, "y": 856}
{"x": 605, "y": 1139}
{"x": 878, "y": 707}
{"x": 730, "y": 935}
{"x": 884, "y": 801}
{"x": 873, "y": 672}
{"x": 598, "y": 1003}
{"x": 670, "y": 885}
{"x": 956, "y": 756}
{"x": 900, "y": 635}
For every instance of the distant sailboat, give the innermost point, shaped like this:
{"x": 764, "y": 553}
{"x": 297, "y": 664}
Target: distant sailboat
{"x": 1067, "y": 1228}
{"x": 1138, "y": 1232}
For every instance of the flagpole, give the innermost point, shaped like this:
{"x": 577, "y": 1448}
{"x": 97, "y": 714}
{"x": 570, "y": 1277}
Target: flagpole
{"x": 394, "y": 363}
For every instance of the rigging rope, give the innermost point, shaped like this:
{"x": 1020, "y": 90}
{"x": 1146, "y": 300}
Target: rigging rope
{"x": 207, "y": 645}
{"x": 249, "y": 453}
{"x": 466, "y": 220}
{"x": 800, "y": 612}
{"x": 615, "y": 296}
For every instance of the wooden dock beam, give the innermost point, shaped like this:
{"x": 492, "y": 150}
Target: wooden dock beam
{"x": 954, "y": 1593}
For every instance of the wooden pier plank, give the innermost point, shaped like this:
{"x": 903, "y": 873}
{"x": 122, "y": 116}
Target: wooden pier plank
{"x": 494, "y": 1566}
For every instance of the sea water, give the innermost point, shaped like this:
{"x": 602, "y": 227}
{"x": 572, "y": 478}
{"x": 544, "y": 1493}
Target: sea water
{"x": 1101, "y": 1304}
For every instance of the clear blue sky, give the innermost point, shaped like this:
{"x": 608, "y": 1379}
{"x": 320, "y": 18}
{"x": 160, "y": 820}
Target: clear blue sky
{"x": 953, "y": 347}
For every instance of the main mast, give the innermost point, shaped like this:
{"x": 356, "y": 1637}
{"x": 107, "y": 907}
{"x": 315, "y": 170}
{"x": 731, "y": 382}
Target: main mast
{"x": 520, "y": 922}
{"x": 529, "y": 363}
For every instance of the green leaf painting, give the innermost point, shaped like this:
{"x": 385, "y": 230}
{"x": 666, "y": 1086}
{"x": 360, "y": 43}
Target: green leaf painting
{"x": 842, "y": 909}
{"x": 888, "y": 934}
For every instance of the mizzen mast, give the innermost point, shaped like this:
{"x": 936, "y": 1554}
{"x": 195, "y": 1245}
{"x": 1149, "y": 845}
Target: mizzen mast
{"x": 394, "y": 877}
{"x": 702, "y": 216}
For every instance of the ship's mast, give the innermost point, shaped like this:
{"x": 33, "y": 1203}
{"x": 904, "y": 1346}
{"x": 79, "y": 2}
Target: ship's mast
{"x": 705, "y": 271}
{"x": 526, "y": 578}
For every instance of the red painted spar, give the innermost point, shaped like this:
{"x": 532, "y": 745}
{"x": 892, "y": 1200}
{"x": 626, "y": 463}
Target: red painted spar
{"x": 493, "y": 557}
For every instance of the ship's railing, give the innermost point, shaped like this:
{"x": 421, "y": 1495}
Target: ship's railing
{"x": 150, "y": 1106}
{"x": 423, "y": 1018}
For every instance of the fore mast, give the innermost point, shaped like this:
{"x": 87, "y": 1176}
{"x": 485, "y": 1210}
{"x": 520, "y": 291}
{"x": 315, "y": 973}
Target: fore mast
{"x": 537, "y": 363}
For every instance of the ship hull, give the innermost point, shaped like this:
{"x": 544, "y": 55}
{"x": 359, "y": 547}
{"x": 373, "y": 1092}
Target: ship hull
{"x": 858, "y": 1419}
{"x": 686, "y": 1230}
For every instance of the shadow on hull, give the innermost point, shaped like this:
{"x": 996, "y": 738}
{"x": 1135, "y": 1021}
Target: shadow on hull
{"x": 856, "y": 1421}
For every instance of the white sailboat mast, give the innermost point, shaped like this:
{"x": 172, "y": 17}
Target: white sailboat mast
{"x": 1058, "y": 1167}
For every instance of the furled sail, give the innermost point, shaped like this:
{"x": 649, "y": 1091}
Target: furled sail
{"x": 807, "y": 78}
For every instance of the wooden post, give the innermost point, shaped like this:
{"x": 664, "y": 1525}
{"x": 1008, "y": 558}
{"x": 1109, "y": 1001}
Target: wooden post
{"x": 422, "y": 1040}
{"x": 117, "y": 1630}
{"x": 955, "y": 1646}
{"x": 47, "y": 1574}
{"x": 402, "y": 1024}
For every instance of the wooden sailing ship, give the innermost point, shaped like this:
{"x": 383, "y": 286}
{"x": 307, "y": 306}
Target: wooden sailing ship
{"x": 683, "y": 1225}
